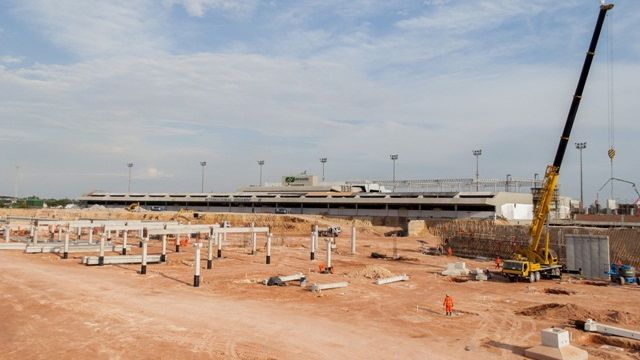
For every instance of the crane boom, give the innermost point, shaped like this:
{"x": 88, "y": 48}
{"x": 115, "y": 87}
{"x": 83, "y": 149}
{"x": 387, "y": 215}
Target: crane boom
{"x": 553, "y": 171}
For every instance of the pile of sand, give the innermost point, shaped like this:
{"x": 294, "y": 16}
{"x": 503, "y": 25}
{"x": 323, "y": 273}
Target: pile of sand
{"x": 371, "y": 272}
{"x": 573, "y": 313}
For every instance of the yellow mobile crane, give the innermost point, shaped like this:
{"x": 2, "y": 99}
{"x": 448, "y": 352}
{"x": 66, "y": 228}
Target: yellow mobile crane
{"x": 535, "y": 261}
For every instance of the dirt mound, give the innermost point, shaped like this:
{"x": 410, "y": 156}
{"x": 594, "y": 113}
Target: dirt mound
{"x": 573, "y": 313}
{"x": 371, "y": 272}
{"x": 615, "y": 341}
{"x": 559, "y": 291}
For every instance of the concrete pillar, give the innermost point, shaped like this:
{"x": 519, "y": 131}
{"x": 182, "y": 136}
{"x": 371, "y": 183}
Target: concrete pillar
{"x": 210, "y": 252}
{"x": 125, "y": 237}
{"x": 59, "y": 233}
{"x": 32, "y": 231}
{"x": 101, "y": 256}
{"x": 90, "y": 234}
{"x": 253, "y": 239}
{"x": 34, "y": 235}
{"x": 268, "y": 248}
{"x": 329, "y": 243}
{"x": 79, "y": 233}
{"x": 313, "y": 245}
{"x": 7, "y": 233}
{"x": 353, "y": 239}
{"x": 65, "y": 251}
{"x": 141, "y": 237}
{"x": 196, "y": 265}
{"x": 141, "y": 234}
{"x": 220, "y": 239}
{"x": 316, "y": 238}
{"x": 163, "y": 256}
{"x": 177, "y": 243}
{"x": 143, "y": 267}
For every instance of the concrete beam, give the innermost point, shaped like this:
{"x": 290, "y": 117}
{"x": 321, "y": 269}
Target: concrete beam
{"x": 58, "y": 248}
{"x": 591, "y": 325}
{"x": 293, "y": 277}
{"x": 320, "y": 287}
{"x": 120, "y": 259}
{"x": 13, "y": 246}
{"x": 403, "y": 277}
{"x": 241, "y": 230}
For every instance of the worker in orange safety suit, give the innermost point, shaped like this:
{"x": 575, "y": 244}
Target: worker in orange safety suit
{"x": 448, "y": 305}
{"x": 498, "y": 262}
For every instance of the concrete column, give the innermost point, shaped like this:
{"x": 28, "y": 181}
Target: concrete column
{"x": 34, "y": 235}
{"x": 125, "y": 237}
{"x": 7, "y": 233}
{"x": 196, "y": 266}
{"x": 316, "y": 238}
{"x": 143, "y": 267}
{"x": 141, "y": 237}
{"x": 65, "y": 251}
{"x": 79, "y": 233}
{"x": 163, "y": 256}
{"x": 329, "y": 243}
{"x": 177, "y": 243}
{"x": 103, "y": 238}
{"x": 220, "y": 239}
{"x": 253, "y": 239}
{"x": 312, "y": 247}
{"x": 269, "y": 249}
{"x": 141, "y": 234}
{"x": 210, "y": 252}
{"x": 353, "y": 239}
{"x": 59, "y": 233}
{"x": 90, "y": 234}
{"x": 32, "y": 231}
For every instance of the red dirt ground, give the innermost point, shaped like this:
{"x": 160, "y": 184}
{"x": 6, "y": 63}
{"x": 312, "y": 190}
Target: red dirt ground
{"x": 55, "y": 308}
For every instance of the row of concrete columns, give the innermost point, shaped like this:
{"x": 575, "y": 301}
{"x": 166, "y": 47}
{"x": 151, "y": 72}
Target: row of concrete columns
{"x": 314, "y": 242}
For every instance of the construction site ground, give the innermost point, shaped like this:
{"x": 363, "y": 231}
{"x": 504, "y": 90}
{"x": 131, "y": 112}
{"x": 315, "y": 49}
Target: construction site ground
{"x": 55, "y": 308}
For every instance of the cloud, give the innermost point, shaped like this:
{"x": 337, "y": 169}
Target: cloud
{"x": 152, "y": 173}
{"x": 463, "y": 17}
{"x": 200, "y": 7}
{"x": 96, "y": 28}
{"x": 10, "y": 60}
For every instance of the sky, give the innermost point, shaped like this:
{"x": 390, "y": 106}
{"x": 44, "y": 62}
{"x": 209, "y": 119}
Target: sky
{"x": 89, "y": 86}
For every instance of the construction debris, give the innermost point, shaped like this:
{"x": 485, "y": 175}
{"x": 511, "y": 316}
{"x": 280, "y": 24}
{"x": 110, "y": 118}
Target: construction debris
{"x": 371, "y": 272}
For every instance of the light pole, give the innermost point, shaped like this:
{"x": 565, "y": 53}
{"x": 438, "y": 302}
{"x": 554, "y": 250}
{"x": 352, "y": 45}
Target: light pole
{"x": 477, "y": 154}
{"x": 260, "y": 162}
{"x": 203, "y": 164}
{"x": 129, "y": 165}
{"x": 581, "y": 146}
{"x": 506, "y": 184}
{"x": 323, "y": 160}
{"x": 393, "y": 158}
